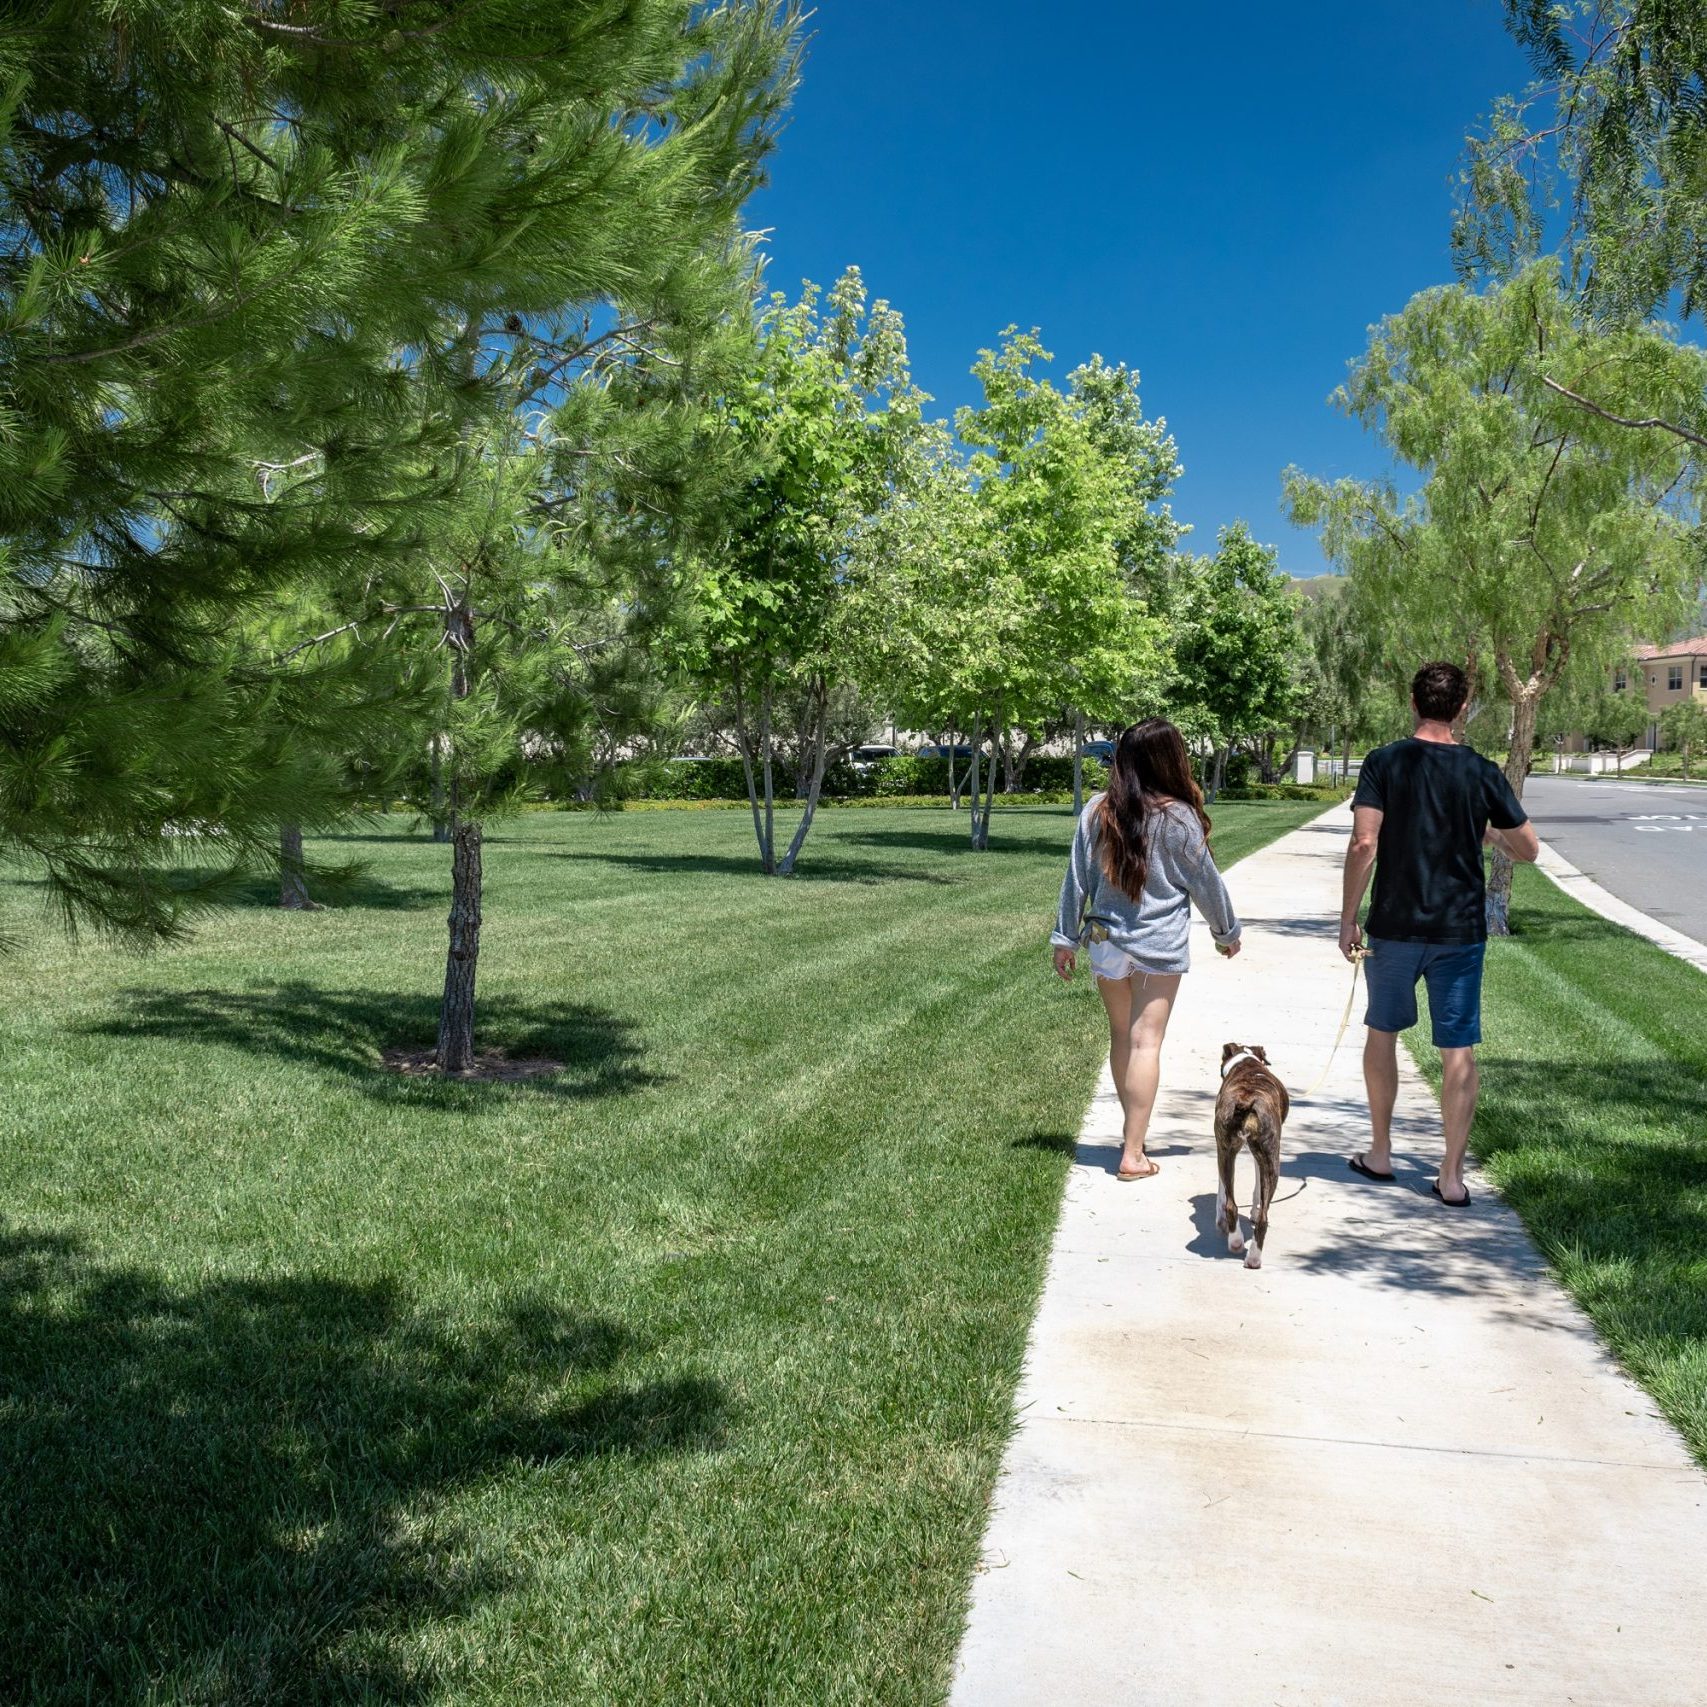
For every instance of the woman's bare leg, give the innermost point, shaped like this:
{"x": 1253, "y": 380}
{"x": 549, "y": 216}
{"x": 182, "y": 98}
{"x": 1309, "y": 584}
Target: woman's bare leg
{"x": 1138, "y": 1012}
{"x": 1116, "y": 996}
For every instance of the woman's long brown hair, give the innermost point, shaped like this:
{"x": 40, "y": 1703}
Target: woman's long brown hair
{"x": 1150, "y": 767}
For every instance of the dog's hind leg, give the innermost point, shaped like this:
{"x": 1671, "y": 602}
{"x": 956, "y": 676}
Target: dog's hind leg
{"x": 1226, "y": 1204}
{"x": 1268, "y": 1174}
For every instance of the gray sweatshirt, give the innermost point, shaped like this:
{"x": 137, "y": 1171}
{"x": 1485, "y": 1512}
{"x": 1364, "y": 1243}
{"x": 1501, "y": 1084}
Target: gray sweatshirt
{"x": 1156, "y": 928}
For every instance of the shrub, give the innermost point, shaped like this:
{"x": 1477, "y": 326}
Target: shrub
{"x": 907, "y": 773}
{"x": 1323, "y": 791}
{"x": 691, "y": 779}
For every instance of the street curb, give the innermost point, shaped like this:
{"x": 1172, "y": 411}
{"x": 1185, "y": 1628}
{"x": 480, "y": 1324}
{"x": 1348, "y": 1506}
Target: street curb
{"x": 1583, "y": 888}
{"x": 1626, "y": 777}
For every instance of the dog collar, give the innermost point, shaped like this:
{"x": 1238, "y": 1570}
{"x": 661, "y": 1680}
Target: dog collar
{"x": 1233, "y": 1060}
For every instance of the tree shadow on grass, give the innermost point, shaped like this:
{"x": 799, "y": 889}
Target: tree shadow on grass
{"x": 343, "y": 1032}
{"x": 1005, "y": 838}
{"x": 360, "y": 888}
{"x": 236, "y": 1491}
{"x": 1622, "y": 1191}
{"x": 809, "y": 870}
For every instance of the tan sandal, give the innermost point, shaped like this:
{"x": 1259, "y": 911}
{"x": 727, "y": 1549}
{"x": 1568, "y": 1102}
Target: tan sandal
{"x": 1149, "y": 1171}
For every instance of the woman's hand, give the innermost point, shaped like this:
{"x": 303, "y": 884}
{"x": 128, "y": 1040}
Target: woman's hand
{"x": 1227, "y": 950}
{"x": 1065, "y": 960}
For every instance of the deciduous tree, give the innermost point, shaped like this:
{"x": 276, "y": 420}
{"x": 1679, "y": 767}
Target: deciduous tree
{"x": 1237, "y": 647}
{"x": 1684, "y": 726}
{"x": 1043, "y": 604}
{"x": 828, "y": 428}
{"x": 1539, "y": 531}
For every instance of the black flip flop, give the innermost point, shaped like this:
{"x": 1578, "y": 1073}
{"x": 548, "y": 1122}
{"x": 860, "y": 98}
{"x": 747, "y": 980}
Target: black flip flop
{"x": 1359, "y": 1166}
{"x": 1462, "y": 1203}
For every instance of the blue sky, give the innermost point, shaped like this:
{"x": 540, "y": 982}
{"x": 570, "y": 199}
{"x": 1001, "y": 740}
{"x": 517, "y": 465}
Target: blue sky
{"x": 1224, "y": 197}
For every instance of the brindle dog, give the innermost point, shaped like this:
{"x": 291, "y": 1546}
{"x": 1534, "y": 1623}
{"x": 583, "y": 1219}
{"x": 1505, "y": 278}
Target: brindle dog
{"x": 1251, "y": 1109}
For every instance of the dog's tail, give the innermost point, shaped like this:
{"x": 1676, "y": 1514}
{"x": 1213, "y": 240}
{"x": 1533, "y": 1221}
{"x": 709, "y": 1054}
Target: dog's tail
{"x": 1249, "y": 1126}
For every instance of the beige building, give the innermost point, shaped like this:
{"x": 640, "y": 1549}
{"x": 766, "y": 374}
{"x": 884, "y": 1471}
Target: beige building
{"x": 1669, "y": 674}
{"x": 1666, "y": 674}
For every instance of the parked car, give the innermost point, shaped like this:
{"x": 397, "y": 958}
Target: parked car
{"x": 941, "y": 752}
{"x": 1103, "y": 751}
{"x": 863, "y": 758}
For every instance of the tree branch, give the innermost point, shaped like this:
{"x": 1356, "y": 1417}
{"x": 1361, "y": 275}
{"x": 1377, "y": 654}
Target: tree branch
{"x": 1651, "y": 421}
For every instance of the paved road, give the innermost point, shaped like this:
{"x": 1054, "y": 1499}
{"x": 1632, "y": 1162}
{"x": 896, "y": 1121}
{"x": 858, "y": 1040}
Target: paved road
{"x": 1646, "y": 842}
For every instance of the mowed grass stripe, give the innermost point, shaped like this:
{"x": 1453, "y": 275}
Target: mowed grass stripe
{"x": 1592, "y": 1123}
{"x": 682, "y": 1379}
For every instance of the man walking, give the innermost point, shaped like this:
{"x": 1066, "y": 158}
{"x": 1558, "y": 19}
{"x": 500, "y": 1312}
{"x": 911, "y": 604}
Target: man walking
{"x": 1423, "y": 810}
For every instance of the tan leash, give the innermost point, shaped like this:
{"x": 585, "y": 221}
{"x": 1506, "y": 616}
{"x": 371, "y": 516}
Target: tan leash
{"x": 1358, "y": 955}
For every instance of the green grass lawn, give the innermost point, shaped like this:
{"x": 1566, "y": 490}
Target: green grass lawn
{"x": 1593, "y": 1123}
{"x": 682, "y": 1377}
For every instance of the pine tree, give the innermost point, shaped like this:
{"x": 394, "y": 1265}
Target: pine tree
{"x": 271, "y": 272}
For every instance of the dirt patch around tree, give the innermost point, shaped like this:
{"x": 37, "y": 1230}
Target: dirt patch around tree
{"x": 490, "y": 1065}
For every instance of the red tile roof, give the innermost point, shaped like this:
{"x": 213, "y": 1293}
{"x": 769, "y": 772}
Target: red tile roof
{"x": 1696, "y": 648}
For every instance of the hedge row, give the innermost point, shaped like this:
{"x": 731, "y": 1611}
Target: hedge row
{"x": 1327, "y": 793}
{"x": 827, "y": 803}
{"x": 888, "y": 779}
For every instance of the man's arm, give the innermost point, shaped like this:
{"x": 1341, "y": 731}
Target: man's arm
{"x": 1521, "y": 844}
{"x": 1359, "y": 862}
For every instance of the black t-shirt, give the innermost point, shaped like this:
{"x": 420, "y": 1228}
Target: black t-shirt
{"x": 1435, "y": 801}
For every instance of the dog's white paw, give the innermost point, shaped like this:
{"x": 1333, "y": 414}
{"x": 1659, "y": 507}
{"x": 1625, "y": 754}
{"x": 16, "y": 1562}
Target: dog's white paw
{"x": 1235, "y": 1240}
{"x": 1253, "y": 1257}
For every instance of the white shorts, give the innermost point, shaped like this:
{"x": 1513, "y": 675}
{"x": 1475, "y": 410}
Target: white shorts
{"x": 1107, "y": 961}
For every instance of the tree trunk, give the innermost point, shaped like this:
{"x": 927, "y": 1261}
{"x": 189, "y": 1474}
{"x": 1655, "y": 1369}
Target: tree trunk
{"x": 1078, "y": 763}
{"x": 976, "y": 755}
{"x": 456, "y": 1012}
{"x": 1016, "y": 776}
{"x": 293, "y": 882}
{"x": 749, "y": 746}
{"x": 785, "y": 866}
{"x": 1472, "y": 663}
{"x": 805, "y": 754}
{"x": 1217, "y": 770}
{"x": 455, "y": 1052}
{"x": 1524, "y": 714}
{"x": 981, "y": 812}
{"x": 766, "y": 759}
{"x": 439, "y": 812}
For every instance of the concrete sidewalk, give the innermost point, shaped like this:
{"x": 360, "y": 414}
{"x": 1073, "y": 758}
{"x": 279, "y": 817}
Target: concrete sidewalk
{"x": 1393, "y": 1466}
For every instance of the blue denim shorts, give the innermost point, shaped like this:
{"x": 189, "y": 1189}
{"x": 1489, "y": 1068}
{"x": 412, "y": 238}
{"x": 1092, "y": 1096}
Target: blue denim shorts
{"x": 1451, "y": 970}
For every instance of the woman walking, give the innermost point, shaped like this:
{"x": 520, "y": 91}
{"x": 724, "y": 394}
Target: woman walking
{"x": 1140, "y": 858}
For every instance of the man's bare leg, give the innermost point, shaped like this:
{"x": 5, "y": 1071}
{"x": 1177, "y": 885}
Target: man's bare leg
{"x": 1458, "y": 1085}
{"x": 1381, "y": 1081}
